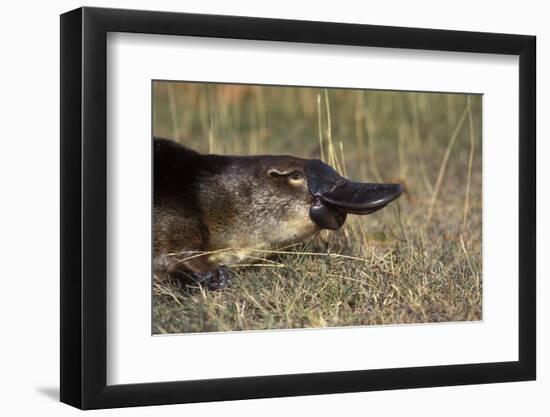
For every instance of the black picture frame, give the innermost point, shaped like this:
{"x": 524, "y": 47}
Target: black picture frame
{"x": 84, "y": 207}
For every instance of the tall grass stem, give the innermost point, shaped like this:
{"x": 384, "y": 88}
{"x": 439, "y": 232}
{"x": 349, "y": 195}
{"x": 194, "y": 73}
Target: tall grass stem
{"x": 444, "y": 161}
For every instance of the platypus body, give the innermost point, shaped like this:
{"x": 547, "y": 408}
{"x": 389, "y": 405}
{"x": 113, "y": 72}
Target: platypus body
{"x": 214, "y": 211}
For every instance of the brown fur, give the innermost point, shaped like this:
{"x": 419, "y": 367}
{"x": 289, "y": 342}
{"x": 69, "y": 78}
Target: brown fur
{"x": 208, "y": 203}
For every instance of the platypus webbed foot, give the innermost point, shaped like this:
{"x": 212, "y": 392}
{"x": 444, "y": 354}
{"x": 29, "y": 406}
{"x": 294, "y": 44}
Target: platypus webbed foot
{"x": 219, "y": 280}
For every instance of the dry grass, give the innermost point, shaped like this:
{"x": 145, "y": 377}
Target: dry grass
{"x": 415, "y": 261}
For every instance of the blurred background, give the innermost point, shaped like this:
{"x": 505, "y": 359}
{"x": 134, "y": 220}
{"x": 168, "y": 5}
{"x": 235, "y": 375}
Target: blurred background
{"x": 423, "y": 253}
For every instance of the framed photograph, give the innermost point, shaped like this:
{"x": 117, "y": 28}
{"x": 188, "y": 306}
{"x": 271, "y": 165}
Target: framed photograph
{"x": 257, "y": 208}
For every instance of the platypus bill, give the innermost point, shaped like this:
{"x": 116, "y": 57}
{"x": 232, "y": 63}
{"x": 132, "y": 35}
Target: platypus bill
{"x": 212, "y": 211}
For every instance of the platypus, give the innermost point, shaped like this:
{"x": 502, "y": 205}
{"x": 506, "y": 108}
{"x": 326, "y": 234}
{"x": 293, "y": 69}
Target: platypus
{"x": 213, "y": 211}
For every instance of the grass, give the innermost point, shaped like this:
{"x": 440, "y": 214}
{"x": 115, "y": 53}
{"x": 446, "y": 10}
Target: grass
{"x": 416, "y": 261}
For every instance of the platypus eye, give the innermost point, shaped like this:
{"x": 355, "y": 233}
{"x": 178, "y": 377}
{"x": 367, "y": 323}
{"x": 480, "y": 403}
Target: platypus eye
{"x": 291, "y": 175}
{"x": 295, "y": 176}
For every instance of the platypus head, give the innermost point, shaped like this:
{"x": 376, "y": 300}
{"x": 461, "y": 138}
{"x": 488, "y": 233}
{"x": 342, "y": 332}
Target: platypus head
{"x": 330, "y": 196}
{"x": 223, "y": 201}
